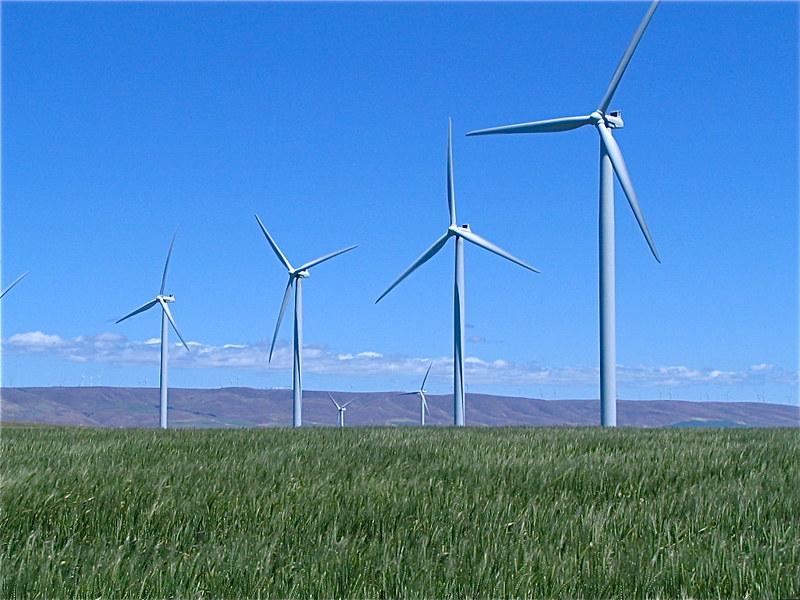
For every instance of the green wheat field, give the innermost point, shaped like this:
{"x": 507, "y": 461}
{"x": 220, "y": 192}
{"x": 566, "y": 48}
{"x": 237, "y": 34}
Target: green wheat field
{"x": 400, "y": 513}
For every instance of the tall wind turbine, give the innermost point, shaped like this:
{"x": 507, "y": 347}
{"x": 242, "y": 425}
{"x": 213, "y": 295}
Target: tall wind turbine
{"x": 460, "y": 233}
{"x": 166, "y": 315}
{"x": 296, "y": 276}
{"x": 13, "y": 283}
{"x": 341, "y": 408}
{"x": 611, "y": 162}
{"x": 423, "y": 406}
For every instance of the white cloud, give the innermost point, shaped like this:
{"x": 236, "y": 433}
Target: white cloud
{"x": 36, "y": 340}
{"x": 320, "y": 359}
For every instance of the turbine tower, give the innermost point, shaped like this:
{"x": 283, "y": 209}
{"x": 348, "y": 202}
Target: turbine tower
{"x": 166, "y": 315}
{"x": 460, "y": 233}
{"x": 296, "y": 277}
{"x": 611, "y": 162}
{"x": 341, "y": 408}
{"x": 423, "y": 406}
{"x": 13, "y": 283}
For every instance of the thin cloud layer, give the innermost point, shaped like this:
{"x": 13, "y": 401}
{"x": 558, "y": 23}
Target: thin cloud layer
{"x": 320, "y": 359}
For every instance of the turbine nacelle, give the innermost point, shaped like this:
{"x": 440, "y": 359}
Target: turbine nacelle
{"x": 301, "y": 274}
{"x": 612, "y": 120}
{"x": 167, "y": 299}
{"x": 459, "y": 229}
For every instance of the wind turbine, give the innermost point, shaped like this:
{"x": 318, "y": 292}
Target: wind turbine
{"x": 341, "y": 408}
{"x": 423, "y": 403}
{"x": 166, "y": 315}
{"x": 460, "y": 233}
{"x": 13, "y": 283}
{"x": 295, "y": 276}
{"x": 611, "y": 162}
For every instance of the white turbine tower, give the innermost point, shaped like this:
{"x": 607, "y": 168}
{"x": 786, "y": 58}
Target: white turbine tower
{"x": 13, "y": 283}
{"x": 341, "y": 408}
{"x": 460, "y": 233}
{"x": 611, "y": 162}
{"x": 423, "y": 405}
{"x": 296, "y": 276}
{"x": 166, "y": 315}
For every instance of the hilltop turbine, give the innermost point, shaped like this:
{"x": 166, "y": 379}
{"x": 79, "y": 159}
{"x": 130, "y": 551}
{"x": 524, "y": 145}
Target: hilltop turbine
{"x": 166, "y": 315}
{"x": 423, "y": 406}
{"x": 341, "y": 408}
{"x": 611, "y": 162}
{"x": 13, "y": 283}
{"x": 295, "y": 276}
{"x": 460, "y": 233}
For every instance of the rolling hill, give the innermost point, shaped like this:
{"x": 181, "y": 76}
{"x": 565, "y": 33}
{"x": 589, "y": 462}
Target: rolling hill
{"x": 248, "y": 407}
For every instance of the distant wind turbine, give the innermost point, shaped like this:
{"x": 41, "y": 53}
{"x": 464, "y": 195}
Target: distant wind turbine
{"x": 341, "y": 408}
{"x": 611, "y": 162}
{"x": 295, "y": 276}
{"x": 423, "y": 406}
{"x": 13, "y": 283}
{"x": 460, "y": 233}
{"x": 166, "y": 315}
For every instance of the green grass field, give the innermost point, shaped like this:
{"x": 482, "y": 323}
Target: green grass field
{"x": 400, "y": 513}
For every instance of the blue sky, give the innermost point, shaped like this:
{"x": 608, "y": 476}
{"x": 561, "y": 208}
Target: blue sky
{"x": 123, "y": 121}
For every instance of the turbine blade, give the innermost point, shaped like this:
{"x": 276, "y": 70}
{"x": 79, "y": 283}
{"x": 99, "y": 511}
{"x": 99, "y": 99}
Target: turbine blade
{"x": 349, "y": 402}
{"x": 615, "y": 154}
{"x": 483, "y": 243}
{"x": 548, "y": 126}
{"x": 335, "y": 402}
{"x": 424, "y": 402}
{"x": 626, "y": 58}
{"x": 427, "y": 255}
{"x": 286, "y": 295}
{"x": 424, "y": 379}
{"x": 142, "y": 308}
{"x": 13, "y": 283}
{"x": 451, "y": 189}
{"x": 408, "y": 394}
{"x": 166, "y": 264}
{"x": 167, "y": 312}
{"x": 316, "y": 261}
{"x": 272, "y": 243}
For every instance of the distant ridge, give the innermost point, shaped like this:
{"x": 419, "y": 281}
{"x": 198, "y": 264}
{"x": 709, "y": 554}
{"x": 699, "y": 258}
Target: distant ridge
{"x": 248, "y": 407}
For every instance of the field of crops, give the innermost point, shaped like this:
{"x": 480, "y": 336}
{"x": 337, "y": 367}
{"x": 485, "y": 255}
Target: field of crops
{"x": 400, "y": 513}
